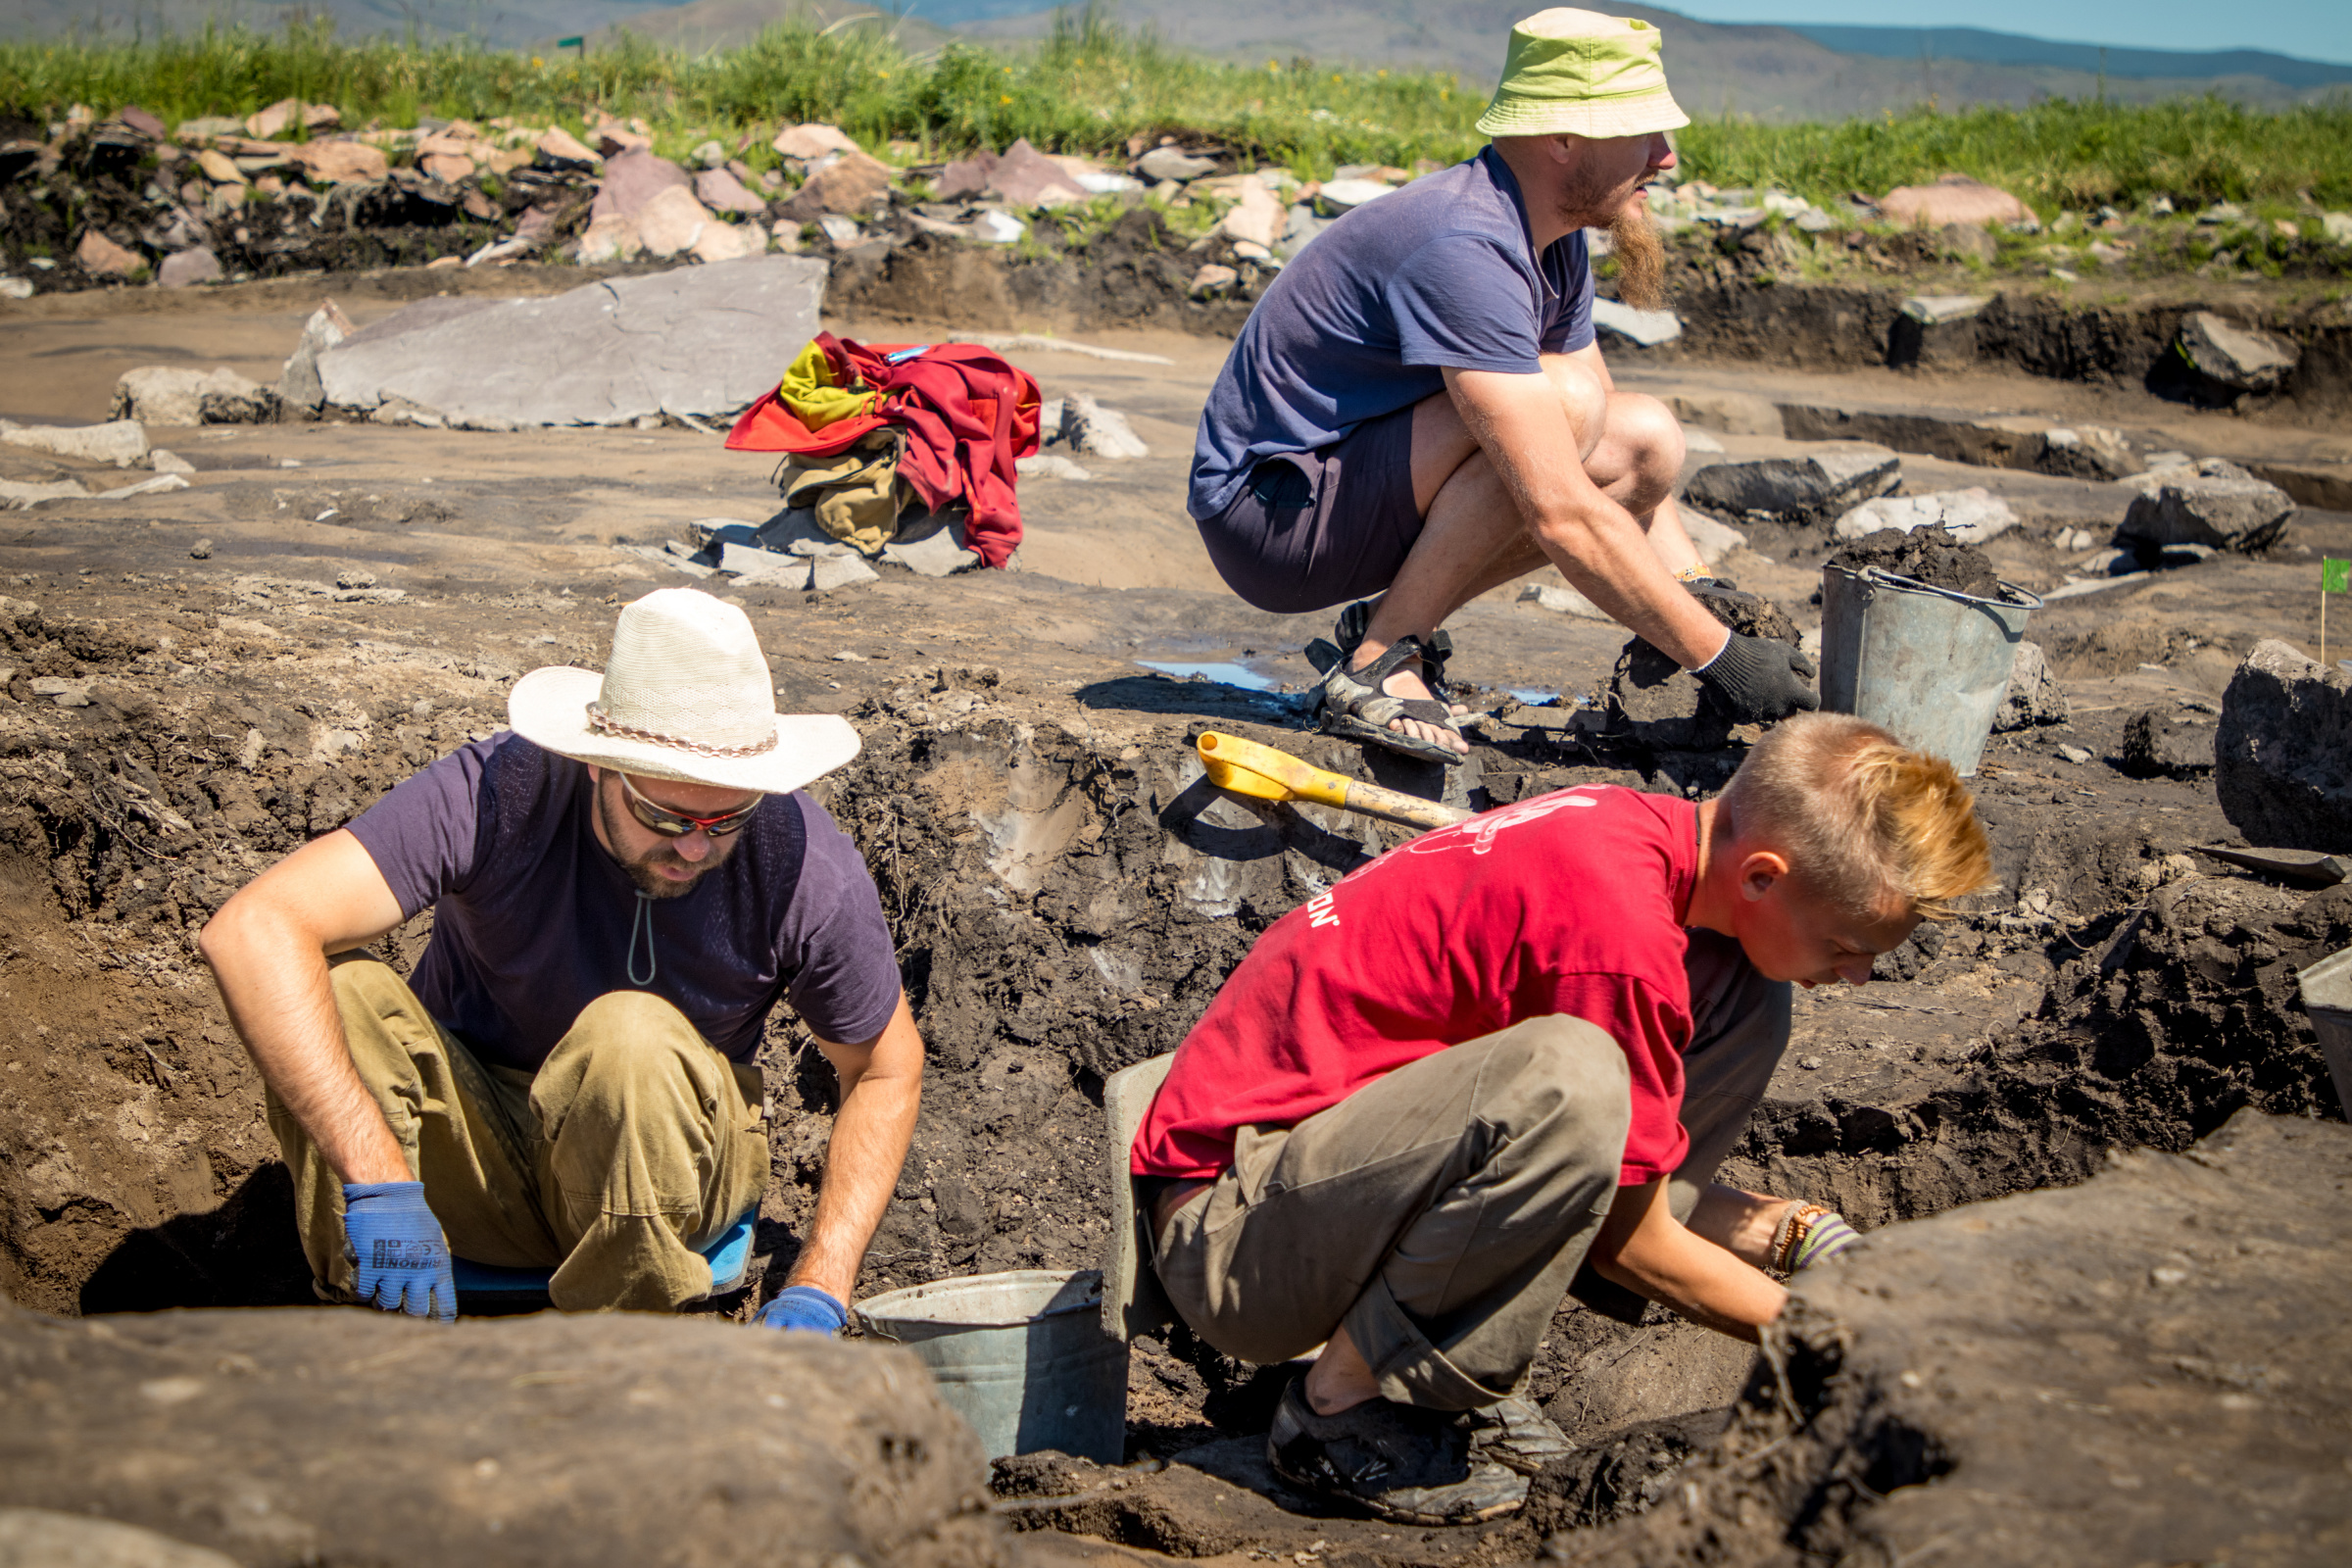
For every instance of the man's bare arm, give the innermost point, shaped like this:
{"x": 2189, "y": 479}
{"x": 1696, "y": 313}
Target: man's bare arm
{"x": 269, "y": 946}
{"x": 1522, "y": 427}
{"x": 881, "y": 1089}
{"x": 1645, "y": 1249}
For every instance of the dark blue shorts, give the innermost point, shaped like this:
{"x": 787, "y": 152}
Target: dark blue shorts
{"x": 1313, "y": 529}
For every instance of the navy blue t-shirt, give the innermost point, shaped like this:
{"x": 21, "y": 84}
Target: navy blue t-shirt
{"x": 1442, "y": 272}
{"x": 532, "y": 918}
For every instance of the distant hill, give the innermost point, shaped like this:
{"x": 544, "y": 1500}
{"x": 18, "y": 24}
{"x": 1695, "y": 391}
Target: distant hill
{"x": 1775, "y": 72}
{"x": 2014, "y": 49}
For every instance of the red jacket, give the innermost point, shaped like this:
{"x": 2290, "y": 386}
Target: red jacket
{"x": 967, "y": 415}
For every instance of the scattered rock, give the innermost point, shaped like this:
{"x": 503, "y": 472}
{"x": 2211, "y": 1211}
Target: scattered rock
{"x": 340, "y": 163}
{"x": 610, "y": 238}
{"x": 2283, "y": 752}
{"x": 15, "y": 288}
{"x": 753, "y": 564}
{"x": 298, "y": 384}
{"x": 1212, "y": 280}
{"x": 121, "y": 442}
{"x": 559, "y": 148}
{"x": 2034, "y": 697}
{"x": 1642, "y": 329}
{"x": 1972, "y": 515}
{"x": 37, "y": 1538}
{"x": 671, "y": 221}
{"x": 632, "y": 180}
{"x": 1097, "y": 431}
{"x": 998, "y": 227}
{"x": 1337, "y": 196}
{"x": 1027, "y": 178}
{"x": 2226, "y": 510}
{"x": 1050, "y": 466}
{"x": 730, "y": 242}
{"x": 2240, "y": 358}
{"x": 195, "y": 264}
{"x": 852, "y": 184}
{"x": 811, "y": 141}
{"x": 933, "y": 548}
{"x": 162, "y": 461}
{"x": 1169, "y": 162}
{"x": 2160, "y": 745}
{"x": 103, "y": 258}
{"x": 18, "y": 495}
{"x": 722, "y": 192}
{"x": 201, "y": 549}
{"x": 841, "y": 571}
{"x": 1809, "y": 489}
{"x": 1256, "y": 217}
{"x": 1953, "y": 199}
{"x": 2074, "y": 753}
{"x": 284, "y": 114}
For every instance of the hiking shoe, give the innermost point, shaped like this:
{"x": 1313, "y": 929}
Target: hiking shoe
{"x": 1406, "y": 1465}
{"x": 1516, "y": 1435}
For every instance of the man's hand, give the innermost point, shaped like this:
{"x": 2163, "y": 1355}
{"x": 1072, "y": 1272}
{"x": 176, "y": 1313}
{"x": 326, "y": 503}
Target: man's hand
{"x": 400, "y": 1259}
{"x": 807, "y": 1309}
{"x": 1759, "y": 679}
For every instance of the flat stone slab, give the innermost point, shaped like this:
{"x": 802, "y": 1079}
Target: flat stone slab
{"x": 298, "y": 1435}
{"x": 705, "y": 341}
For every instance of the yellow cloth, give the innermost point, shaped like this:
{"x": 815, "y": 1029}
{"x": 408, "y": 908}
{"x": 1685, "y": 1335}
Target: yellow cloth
{"x": 857, "y": 493}
{"x": 810, "y": 391}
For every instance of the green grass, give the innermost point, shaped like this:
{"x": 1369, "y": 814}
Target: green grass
{"x": 1090, "y": 85}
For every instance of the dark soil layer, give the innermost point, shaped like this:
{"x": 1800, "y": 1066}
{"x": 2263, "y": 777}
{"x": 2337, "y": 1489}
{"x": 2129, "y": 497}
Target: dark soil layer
{"x": 1923, "y": 556}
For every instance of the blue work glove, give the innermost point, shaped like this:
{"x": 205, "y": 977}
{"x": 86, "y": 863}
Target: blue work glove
{"x": 400, "y": 1259}
{"x": 804, "y": 1307}
{"x": 1828, "y": 1236}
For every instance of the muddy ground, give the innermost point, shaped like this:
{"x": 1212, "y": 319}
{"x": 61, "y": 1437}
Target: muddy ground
{"x": 329, "y": 606}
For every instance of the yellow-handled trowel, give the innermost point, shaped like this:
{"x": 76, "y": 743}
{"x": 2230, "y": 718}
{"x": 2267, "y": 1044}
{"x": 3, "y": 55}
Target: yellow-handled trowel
{"x": 1246, "y": 767}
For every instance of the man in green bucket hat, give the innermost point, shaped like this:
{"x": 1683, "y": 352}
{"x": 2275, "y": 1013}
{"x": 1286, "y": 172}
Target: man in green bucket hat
{"x": 1417, "y": 409}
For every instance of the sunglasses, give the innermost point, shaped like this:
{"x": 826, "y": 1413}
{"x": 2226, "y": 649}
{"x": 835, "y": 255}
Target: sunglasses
{"x": 677, "y": 824}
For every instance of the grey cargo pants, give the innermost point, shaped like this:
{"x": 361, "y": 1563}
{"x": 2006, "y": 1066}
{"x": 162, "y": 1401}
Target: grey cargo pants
{"x": 1441, "y": 1212}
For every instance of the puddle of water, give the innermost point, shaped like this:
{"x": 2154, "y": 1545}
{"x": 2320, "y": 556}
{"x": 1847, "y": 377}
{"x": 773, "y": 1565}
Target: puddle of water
{"x": 1227, "y": 673}
{"x": 1533, "y": 697}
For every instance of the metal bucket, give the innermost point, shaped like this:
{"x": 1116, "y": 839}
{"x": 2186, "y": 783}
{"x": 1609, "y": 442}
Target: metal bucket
{"x": 1929, "y": 665}
{"x": 1022, "y": 1356}
{"x": 2327, "y": 988}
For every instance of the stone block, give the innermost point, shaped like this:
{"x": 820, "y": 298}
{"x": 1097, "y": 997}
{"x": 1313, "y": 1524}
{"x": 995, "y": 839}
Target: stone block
{"x": 1936, "y": 330}
{"x": 2157, "y": 744}
{"x": 1972, "y": 515}
{"x": 1732, "y": 412}
{"x": 298, "y": 386}
{"x": 2241, "y": 358}
{"x": 2034, "y": 697}
{"x": 931, "y": 547}
{"x": 2283, "y": 752}
{"x": 1646, "y": 329}
{"x": 841, "y": 571}
{"x": 1797, "y": 490}
{"x": 2226, "y": 512}
{"x": 121, "y": 442}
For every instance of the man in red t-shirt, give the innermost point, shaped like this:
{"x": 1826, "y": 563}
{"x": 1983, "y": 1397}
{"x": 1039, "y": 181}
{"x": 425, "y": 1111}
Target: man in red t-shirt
{"x": 1508, "y": 1050}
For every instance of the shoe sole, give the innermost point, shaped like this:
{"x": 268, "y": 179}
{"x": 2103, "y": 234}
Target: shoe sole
{"x": 1389, "y": 1512}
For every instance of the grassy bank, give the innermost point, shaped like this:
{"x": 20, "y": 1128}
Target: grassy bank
{"x": 1090, "y": 85}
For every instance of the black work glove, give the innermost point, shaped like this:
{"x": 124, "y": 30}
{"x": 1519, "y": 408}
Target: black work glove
{"x": 1759, "y": 679}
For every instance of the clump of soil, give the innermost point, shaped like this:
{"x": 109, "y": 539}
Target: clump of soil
{"x": 1923, "y": 556}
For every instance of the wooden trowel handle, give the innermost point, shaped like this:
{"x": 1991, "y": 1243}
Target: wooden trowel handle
{"x": 1248, "y": 767}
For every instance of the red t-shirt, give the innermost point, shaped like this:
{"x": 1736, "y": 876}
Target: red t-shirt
{"x": 1571, "y": 902}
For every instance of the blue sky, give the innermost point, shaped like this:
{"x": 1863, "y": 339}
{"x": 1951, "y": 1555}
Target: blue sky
{"x": 2313, "y": 29}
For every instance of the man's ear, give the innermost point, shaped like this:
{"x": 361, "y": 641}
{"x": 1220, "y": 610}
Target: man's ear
{"x": 1760, "y": 872}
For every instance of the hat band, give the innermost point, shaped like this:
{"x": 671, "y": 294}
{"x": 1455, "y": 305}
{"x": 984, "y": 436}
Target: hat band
{"x": 605, "y": 723}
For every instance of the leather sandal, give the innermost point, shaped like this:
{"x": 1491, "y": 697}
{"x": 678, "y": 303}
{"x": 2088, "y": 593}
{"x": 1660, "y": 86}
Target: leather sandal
{"x": 1352, "y": 704}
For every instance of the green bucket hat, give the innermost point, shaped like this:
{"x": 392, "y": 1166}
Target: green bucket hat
{"x": 1581, "y": 74}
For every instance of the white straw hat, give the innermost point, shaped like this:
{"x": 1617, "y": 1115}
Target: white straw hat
{"x": 686, "y": 696}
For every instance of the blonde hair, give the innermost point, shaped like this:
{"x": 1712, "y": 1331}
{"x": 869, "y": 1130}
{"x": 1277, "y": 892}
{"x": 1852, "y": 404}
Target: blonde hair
{"x": 1860, "y": 815}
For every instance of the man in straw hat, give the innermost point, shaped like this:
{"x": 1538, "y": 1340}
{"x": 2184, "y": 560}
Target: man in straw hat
{"x": 623, "y": 885}
{"x": 1417, "y": 407}
{"x": 1501, "y": 1063}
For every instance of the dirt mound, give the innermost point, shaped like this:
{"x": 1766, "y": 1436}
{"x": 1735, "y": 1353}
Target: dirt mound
{"x": 1923, "y": 556}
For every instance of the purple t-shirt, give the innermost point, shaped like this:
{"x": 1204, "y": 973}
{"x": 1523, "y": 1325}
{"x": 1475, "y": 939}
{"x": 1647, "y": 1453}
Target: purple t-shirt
{"x": 531, "y": 916}
{"x": 1442, "y": 272}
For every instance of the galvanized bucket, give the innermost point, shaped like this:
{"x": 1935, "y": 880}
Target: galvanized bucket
{"x": 2327, "y": 988}
{"x": 1929, "y": 663}
{"x": 1022, "y": 1356}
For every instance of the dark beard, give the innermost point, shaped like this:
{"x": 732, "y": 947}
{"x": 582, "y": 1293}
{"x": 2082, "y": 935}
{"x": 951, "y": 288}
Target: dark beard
{"x": 1640, "y": 257}
{"x": 641, "y": 870}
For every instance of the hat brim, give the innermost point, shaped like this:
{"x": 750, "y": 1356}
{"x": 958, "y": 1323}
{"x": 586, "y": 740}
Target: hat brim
{"x": 549, "y": 707}
{"x": 1643, "y": 114}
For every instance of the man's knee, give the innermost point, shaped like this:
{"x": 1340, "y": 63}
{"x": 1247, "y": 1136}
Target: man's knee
{"x": 630, "y": 1032}
{"x": 1585, "y": 399}
{"x": 1650, "y": 440}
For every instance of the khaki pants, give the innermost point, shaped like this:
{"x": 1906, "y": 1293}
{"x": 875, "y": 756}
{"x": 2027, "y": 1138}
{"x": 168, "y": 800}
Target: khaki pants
{"x": 635, "y": 1145}
{"x": 1440, "y": 1212}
